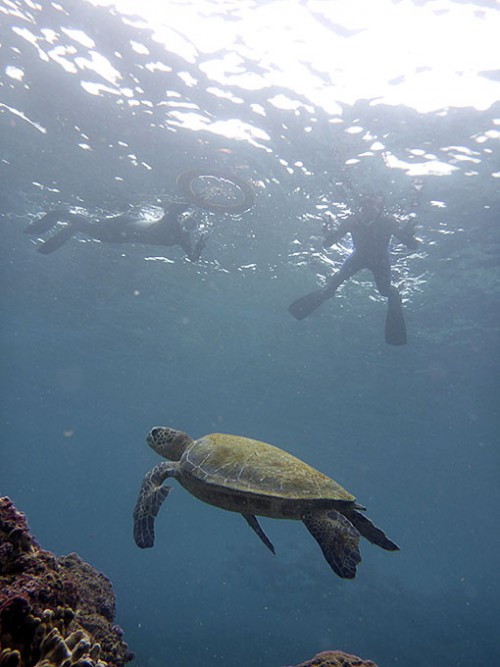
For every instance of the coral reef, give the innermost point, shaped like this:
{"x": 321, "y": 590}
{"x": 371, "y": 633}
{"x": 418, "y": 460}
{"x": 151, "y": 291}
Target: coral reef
{"x": 54, "y": 612}
{"x": 336, "y": 659}
{"x": 59, "y": 611}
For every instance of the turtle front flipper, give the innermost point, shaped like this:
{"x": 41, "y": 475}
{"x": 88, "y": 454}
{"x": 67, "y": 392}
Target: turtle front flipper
{"x": 255, "y": 525}
{"x": 151, "y": 496}
{"x": 338, "y": 539}
{"x": 370, "y": 531}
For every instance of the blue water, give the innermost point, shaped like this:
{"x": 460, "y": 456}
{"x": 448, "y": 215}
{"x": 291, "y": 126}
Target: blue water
{"x": 100, "y": 343}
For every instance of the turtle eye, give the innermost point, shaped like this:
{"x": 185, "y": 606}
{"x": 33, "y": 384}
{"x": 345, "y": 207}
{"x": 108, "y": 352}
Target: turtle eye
{"x": 155, "y": 432}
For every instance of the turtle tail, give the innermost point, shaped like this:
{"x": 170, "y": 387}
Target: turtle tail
{"x": 370, "y": 531}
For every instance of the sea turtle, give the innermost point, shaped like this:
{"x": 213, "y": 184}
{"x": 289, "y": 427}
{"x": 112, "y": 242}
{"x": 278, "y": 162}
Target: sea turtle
{"x": 253, "y": 478}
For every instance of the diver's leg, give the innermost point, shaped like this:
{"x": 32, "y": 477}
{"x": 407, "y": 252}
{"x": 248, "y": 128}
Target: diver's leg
{"x": 395, "y": 326}
{"x": 308, "y": 303}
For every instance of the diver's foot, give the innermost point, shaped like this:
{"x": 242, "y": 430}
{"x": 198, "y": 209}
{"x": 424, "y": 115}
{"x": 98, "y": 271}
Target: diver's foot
{"x": 395, "y": 326}
{"x": 307, "y": 304}
{"x": 46, "y": 222}
{"x": 58, "y": 239}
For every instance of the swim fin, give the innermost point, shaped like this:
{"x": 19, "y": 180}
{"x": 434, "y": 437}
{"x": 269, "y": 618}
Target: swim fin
{"x": 57, "y": 240}
{"x": 307, "y": 304}
{"x": 395, "y": 327}
{"x": 46, "y": 222}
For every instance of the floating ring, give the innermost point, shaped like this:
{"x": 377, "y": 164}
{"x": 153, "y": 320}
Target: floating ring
{"x": 216, "y": 190}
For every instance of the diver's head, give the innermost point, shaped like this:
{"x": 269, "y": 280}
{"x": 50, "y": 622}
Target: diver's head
{"x": 371, "y": 205}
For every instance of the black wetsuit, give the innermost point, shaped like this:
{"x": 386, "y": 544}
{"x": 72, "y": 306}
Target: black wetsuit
{"x": 123, "y": 228}
{"x": 371, "y": 250}
{"x": 371, "y": 238}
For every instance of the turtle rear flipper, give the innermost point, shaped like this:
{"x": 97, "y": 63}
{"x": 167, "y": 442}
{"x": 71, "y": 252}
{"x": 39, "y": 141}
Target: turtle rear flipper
{"x": 151, "y": 496}
{"x": 338, "y": 539}
{"x": 370, "y": 531}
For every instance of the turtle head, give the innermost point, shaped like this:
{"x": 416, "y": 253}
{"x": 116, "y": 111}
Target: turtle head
{"x": 168, "y": 442}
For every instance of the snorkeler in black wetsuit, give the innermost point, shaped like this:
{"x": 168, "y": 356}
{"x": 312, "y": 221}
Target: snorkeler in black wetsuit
{"x": 371, "y": 233}
{"x": 170, "y": 230}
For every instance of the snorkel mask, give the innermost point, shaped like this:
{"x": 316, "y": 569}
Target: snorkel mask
{"x": 371, "y": 204}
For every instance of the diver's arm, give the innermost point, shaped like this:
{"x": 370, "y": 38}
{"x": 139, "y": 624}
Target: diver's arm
{"x": 193, "y": 253}
{"x": 333, "y": 235}
{"x": 199, "y": 246}
{"x": 406, "y": 233}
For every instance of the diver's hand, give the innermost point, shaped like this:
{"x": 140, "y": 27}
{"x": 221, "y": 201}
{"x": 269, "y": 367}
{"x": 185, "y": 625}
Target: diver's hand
{"x": 409, "y": 234}
{"x": 329, "y": 229}
{"x": 329, "y": 221}
{"x": 202, "y": 241}
{"x": 410, "y": 226}
{"x": 198, "y": 248}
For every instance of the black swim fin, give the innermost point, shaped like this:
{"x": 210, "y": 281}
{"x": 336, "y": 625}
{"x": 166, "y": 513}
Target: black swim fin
{"x": 395, "y": 327}
{"x": 57, "y": 240}
{"x": 46, "y": 222}
{"x": 306, "y": 304}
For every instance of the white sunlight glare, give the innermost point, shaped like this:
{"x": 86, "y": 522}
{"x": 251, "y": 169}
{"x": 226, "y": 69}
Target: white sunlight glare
{"x": 427, "y": 57}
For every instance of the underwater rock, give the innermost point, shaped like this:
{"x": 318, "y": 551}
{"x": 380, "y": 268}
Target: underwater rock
{"x": 336, "y": 659}
{"x": 54, "y": 612}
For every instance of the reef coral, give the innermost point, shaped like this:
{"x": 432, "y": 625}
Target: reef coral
{"x": 54, "y": 611}
{"x": 59, "y": 611}
{"x": 336, "y": 659}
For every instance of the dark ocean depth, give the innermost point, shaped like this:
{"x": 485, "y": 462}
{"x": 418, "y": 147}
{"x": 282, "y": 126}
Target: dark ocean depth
{"x": 100, "y": 342}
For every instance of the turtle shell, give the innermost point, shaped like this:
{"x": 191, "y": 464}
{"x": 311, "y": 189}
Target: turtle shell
{"x": 249, "y": 466}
